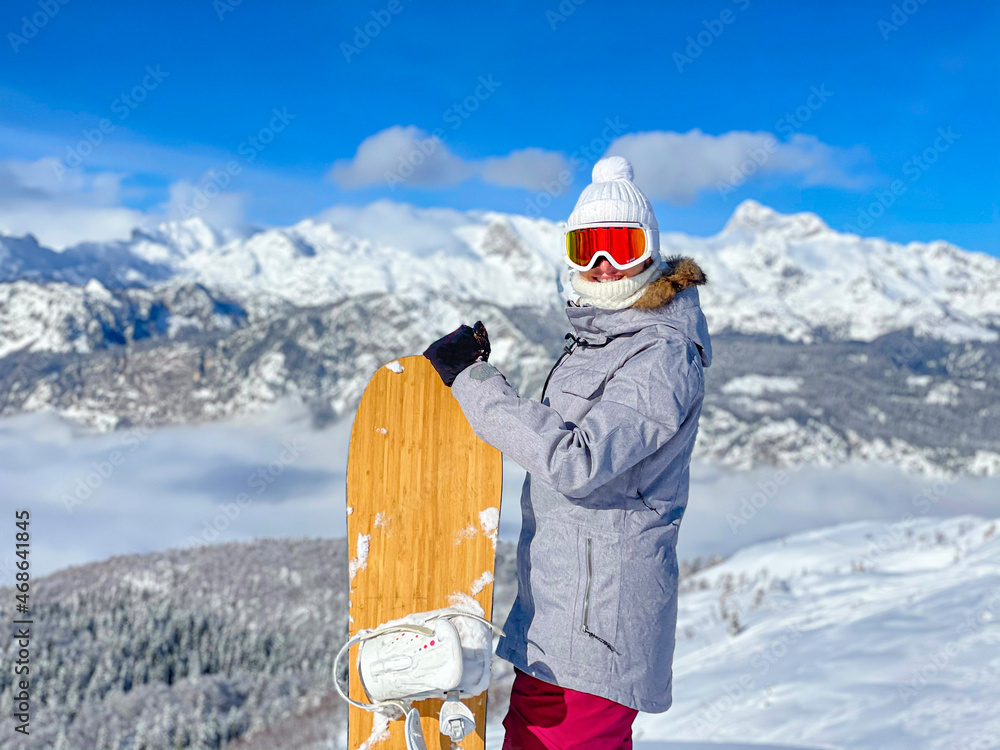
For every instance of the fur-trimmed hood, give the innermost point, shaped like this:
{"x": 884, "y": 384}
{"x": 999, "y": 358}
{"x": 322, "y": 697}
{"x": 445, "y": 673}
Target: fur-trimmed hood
{"x": 671, "y": 299}
{"x": 680, "y": 274}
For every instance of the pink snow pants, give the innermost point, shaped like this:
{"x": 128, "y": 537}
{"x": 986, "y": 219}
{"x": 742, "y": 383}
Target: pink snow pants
{"x": 547, "y": 717}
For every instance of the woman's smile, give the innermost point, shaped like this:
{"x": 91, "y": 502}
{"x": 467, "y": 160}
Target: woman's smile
{"x": 604, "y": 271}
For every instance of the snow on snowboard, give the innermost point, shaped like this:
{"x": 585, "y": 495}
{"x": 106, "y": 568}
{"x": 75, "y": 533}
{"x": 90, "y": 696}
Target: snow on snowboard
{"x": 423, "y": 510}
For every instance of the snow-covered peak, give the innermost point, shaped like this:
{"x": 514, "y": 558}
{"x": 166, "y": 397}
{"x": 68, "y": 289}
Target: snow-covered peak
{"x": 185, "y": 237}
{"x": 756, "y": 217}
{"x": 389, "y": 247}
{"x": 793, "y": 276}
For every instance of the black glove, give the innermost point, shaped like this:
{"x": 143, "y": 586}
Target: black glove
{"x": 453, "y": 353}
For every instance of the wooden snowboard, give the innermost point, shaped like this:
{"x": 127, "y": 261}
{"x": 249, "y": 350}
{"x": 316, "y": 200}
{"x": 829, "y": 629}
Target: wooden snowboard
{"x": 423, "y": 509}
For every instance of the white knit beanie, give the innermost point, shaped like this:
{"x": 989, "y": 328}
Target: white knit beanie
{"x": 612, "y": 197}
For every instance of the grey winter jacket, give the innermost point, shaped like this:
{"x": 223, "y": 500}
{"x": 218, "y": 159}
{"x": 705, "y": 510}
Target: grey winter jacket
{"x": 607, "y": 453}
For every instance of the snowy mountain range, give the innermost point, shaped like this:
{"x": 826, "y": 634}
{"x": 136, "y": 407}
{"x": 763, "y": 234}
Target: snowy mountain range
{"x": 774, "y": 274}
{"x": 866, "y": 635}
{"x": 848, "y": 346}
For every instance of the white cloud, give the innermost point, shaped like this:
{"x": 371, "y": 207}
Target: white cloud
{"x": 529, "y": 168}
{"x": 219, "y": 209}
{"x": 62, "y": 210}
{"x": 151, "y": 502}
{"x": 412, "y": 156}
{"x": 425, "y": 230}
{"x": 174, "y": 479}
{"x": 677, "y": 166}
{"x": 63, "y": 207}
{"x": 668, "y": 166}
{"x": 400, "y": 154}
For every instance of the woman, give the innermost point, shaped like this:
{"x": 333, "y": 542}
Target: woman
{"x": 607, "y": 454}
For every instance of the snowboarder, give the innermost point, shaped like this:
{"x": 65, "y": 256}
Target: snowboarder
{"x": 607, "y": 454}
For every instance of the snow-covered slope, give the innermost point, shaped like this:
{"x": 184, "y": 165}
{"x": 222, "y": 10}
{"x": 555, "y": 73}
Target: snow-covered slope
{"x": 864, "y": 636}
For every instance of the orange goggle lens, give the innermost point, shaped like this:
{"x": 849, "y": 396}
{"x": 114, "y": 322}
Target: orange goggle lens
{"x": 624, "y": 245}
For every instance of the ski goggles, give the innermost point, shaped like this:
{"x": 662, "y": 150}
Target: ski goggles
{"x": 625, "y": 245}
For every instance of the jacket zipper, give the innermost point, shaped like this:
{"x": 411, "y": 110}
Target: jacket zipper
{"x": 639, "y": 495}
{"x": 586, "y": 605}
{"x": 568, "y": 350}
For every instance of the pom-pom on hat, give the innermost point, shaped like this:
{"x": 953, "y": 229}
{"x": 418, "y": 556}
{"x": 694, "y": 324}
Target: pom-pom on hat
{"x": 612, "y": 197}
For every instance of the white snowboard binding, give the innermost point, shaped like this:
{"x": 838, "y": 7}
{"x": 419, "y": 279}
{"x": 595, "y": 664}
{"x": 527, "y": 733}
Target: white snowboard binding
{"x": 440, "y": 654}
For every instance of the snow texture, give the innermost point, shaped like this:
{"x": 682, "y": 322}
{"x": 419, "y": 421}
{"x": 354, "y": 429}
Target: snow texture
{"x": 758, "y": 385}
{"x": 896, "y": 625}
{"x": 360, "y": 561}
{"x": 380, "y": 731}
{"x": 482, "y": 582}
{"x": 892, "y": 624}
{"x": 395, "y": 366}
{"x": 467, "y": 533}
{"x": 489, "y": 520}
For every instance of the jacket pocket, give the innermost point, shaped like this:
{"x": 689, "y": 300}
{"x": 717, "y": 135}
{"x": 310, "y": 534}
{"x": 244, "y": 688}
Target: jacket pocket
{"x": 596, "y": 625}
{"x": 633, "y": 488}
{"x": 552, "y": 574}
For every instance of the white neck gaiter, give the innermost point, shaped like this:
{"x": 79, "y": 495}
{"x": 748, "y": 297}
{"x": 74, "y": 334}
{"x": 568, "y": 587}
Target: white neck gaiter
{"x": 613, "y": 295}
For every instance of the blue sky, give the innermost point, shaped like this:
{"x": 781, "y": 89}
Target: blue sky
{"x": 880, "y": 117}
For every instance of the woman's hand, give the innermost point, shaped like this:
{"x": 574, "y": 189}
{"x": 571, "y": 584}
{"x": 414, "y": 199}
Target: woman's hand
{"x": 462, "y": 347}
